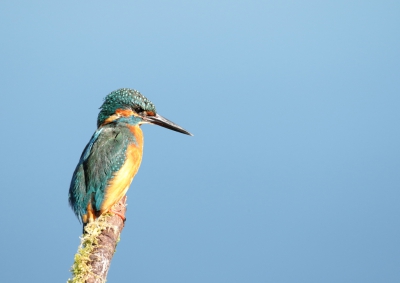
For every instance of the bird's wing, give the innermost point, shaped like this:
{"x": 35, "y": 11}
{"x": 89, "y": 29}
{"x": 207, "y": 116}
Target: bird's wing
{"x": 102, "y": 157}
{"x": 77, "y": 189}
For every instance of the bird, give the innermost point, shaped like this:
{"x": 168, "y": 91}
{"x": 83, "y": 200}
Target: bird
{"x": 113, "y": 155}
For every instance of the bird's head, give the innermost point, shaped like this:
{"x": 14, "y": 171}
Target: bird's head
{"x": 127, "y": 103}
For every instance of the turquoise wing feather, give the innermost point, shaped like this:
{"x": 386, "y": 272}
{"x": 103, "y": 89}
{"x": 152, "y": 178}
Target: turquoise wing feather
{"x": 102, "y": 157}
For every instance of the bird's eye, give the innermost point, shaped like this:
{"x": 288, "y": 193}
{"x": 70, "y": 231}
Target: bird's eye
{"x": 138, "y": 110}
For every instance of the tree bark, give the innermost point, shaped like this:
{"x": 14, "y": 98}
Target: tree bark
{"x": 97, "y": 248}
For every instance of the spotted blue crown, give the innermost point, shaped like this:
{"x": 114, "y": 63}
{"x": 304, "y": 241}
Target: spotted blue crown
{"x": 124, "y": 98}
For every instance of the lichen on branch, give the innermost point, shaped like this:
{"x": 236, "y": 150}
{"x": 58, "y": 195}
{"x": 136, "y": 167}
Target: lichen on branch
{"x": 97, "y": 247}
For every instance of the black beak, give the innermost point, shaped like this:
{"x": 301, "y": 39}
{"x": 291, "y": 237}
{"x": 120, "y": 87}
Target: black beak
{"x": 163, "y": 122}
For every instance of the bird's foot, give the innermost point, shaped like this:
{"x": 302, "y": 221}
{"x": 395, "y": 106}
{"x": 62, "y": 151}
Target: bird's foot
{"x": 122, "y": 216}
{"x": 119, "y": 208}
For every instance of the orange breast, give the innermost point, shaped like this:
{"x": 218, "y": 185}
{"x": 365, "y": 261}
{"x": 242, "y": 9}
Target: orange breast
{"x": 119, "y": 184}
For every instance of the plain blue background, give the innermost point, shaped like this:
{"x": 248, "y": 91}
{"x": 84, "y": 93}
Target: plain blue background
{"x": 293, "y": 172}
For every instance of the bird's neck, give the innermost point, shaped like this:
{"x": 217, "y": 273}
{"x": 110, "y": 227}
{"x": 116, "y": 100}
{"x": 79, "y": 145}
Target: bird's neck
{"x": 138, "y": 134}
{"x": 131, "y": 123}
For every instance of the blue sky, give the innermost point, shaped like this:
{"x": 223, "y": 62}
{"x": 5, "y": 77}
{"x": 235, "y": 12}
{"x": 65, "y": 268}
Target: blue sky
{"x": 293, "y": 171}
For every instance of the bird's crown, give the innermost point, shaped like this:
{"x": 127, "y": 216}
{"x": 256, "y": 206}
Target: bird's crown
{"x": 124, "y": 98}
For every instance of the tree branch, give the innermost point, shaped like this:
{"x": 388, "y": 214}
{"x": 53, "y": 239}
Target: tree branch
{"x": 97, "y": 247}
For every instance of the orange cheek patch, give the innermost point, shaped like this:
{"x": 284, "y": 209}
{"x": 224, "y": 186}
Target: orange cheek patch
{"x": 110, "y": 119}
{"x": 125, "y": 112}
{"x": 120, "y": 113}
{"x": 150, "y": 113}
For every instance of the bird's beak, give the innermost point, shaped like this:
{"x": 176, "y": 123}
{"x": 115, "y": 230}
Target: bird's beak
{"x": 163, "y": 122}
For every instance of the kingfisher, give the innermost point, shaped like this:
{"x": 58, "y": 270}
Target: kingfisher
{"x": 113, "y": 155}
